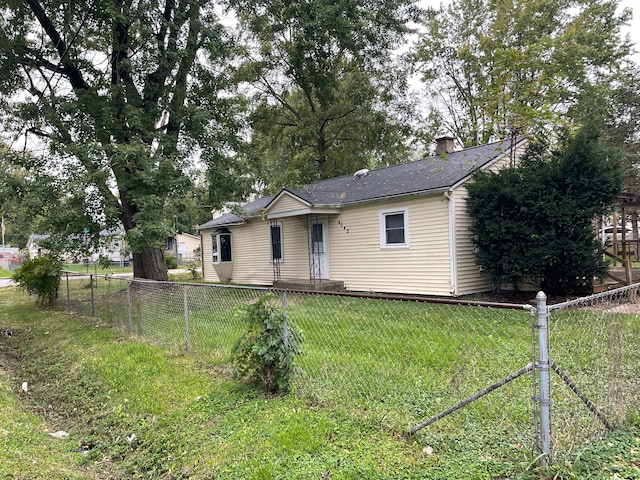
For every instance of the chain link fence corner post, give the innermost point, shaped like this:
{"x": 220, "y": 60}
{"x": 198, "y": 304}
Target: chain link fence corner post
{"x": 543, "y": 371}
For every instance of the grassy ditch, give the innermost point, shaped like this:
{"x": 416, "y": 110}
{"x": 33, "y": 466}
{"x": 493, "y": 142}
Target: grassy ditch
{"x": 135, "y": 410}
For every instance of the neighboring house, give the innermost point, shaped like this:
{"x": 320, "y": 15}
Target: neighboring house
{"x": 34, "y": 245}
{"x": 113, "y": 246}
{"x": 399, "y": 229}
{"x": 183, "y": 246}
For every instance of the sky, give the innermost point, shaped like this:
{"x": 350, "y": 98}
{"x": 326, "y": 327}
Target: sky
{"x": 633, "y": 30}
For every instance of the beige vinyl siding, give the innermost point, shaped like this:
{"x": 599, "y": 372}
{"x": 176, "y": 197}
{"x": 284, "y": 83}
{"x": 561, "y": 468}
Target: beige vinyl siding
{"x": 506, "y": 160}
{"x": 250, "y": 252}
{"x": 192, "y": 243}
{"x": 286, "y": 203}
{"x": 295, "y": 248}
{"x": 208, "y": 273}
{"x": 422, "y": 268}
{"x": 469, "y": 278}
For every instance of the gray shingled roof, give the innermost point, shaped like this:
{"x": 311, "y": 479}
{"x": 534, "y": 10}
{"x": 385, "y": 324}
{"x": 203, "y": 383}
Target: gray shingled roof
{"x": 231, "y": 218}
{"x": 421, "y": 176}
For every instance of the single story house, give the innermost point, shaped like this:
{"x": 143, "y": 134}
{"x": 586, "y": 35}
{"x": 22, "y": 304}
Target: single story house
{"x": 183, "y": 246}
{"x": 398, "y": 229}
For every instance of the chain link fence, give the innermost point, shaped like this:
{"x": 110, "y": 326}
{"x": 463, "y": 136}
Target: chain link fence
{"x": 594, "y": 351}
{"x": 398, "y": 362}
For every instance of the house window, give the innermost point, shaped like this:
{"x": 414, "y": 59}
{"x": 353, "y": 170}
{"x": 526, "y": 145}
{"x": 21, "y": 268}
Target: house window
{"x": 221, "y": 246}
{"x": 276, "y": 242}
{"x": 317, "y": 238}
{"x": 394, "y": 230}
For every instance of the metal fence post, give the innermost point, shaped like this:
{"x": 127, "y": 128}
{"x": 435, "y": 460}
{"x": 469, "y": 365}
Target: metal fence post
{"x": 186, "y": 316}
{"x": 68, "y": 293}
{"x": 129, "y": 324}
{"x": 543, "y": 370}
{"x": 285, "y": 328}
{"x": 93, "y": 300}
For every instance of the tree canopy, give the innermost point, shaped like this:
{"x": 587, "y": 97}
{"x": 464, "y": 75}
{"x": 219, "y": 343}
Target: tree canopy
{"x": 122, "y": 93}
{"x": 534, "y": 223}
{"x": 494, "y": 67}
{"x": 321, "y": 69}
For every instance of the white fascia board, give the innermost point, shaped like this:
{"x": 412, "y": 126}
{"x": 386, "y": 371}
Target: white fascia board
{"x": 304, "y": 211}
{"x": 219, "y": 225}
{"x": 282, "y": 193}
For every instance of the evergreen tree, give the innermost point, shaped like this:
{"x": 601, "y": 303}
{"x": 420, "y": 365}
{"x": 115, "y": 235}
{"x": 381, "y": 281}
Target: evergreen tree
{"x": 534, "y": 223}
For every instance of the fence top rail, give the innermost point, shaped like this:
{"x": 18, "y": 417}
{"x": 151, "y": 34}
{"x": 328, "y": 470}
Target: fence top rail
{"x": 202, "y": 285}
{"x": 123, "y": 276}
{"x": 412, "y": 298}
{"x": 594, "y": 297}
{"x": 364, "y": 295}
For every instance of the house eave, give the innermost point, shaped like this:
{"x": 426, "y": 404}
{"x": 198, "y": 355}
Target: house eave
{"x": 305, "y": 211}
{"x": 218, "y": 225}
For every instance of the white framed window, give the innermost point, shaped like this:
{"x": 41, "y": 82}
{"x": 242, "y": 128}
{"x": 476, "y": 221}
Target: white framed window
{"x": 221, "y": 245}
{"x": 394, "y": 228}
{"x": 275, "y": 232}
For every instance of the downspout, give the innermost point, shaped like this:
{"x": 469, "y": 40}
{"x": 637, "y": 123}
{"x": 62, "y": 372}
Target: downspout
{"x": 201, "y": 254}
{"x": 452, "y": 243}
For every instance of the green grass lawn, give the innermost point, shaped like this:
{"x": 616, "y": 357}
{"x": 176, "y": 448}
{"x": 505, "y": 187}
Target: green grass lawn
{"x": 138, "y": 410}
{"x": 6, "y": 273}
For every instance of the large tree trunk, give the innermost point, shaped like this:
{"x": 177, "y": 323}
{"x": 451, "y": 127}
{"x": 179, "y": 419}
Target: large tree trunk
{"x": 150, "y": 264}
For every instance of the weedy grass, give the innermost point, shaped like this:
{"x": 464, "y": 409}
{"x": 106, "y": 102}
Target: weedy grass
{"x": 136, "y": 410}
{"x": 6, "y": 273}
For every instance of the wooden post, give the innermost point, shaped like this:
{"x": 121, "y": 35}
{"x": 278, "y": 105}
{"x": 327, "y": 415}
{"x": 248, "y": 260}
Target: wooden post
{"x": 614, "y": 232}
{"x": 624, "y": 234}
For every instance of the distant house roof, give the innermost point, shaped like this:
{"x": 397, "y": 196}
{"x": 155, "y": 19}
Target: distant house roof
{"x": 430, "y": 174}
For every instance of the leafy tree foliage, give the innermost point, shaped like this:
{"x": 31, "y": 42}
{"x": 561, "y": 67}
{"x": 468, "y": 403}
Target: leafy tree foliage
{"x": 40, "y": 276}
{"x": 623, "y": 123}
{"x": 494, "y": 67}
{"x": 534, "y": 223}
{"x": 326, "y": 94}
{"x": 25, "y": 197}
{"x": 121, "y": 93}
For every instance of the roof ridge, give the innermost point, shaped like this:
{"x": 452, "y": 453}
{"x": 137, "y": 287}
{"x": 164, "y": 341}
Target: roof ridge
{"x": 333, "y": 179}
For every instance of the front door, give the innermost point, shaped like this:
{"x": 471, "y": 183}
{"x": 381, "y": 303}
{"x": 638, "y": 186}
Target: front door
{"x": 319, "y": 257}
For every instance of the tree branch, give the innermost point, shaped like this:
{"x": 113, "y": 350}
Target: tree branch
{"x": 73, "y": 73}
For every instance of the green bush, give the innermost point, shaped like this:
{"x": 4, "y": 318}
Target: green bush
{"x": 267, "y": 350}
{"x": 171, "y": 261}
{"x": 193, "y": 266}
{"x": 40, "y": 276}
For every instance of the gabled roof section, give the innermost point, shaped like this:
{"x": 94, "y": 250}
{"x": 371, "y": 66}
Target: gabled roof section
{"x": 286, "y": 193}
{"x": 250, "y": 209}
{"x": 431, "y": 174}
